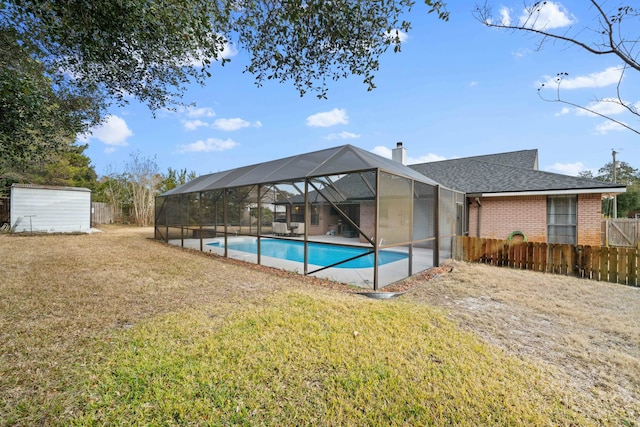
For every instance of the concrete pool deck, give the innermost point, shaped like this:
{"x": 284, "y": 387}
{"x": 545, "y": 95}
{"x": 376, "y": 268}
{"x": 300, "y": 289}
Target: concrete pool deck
{"x": 361, "y": 277}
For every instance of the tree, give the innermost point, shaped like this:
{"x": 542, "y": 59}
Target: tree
{"x": 39, "y": 119}
{"x": 143, "y": 180}
{"x": 113, "y": 191}
{"x": 174, "y": 178}
{"x": 152, "y": 50}
{"x": 614, "y": 32}
{"x": 626, "y": 174}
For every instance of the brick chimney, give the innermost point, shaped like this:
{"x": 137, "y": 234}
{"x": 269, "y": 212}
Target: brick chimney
{"x": 399, "y": 154}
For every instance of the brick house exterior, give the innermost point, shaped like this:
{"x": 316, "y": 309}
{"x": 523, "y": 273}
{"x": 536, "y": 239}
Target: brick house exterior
{"x": 499, "y": 217}
{"x": 506, "y": 193}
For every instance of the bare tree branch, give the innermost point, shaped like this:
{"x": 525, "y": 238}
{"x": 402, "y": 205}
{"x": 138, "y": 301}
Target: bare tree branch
{"x": 558, "y": 98}
{"x": 606, "y": 39}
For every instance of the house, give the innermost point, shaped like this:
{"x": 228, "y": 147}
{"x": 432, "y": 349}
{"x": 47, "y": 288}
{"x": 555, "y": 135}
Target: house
{"x": 350, "y": 198}
{"x": 507, "y": 197}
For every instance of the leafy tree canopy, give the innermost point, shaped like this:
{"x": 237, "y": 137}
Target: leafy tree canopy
{"x": 174, "y": 178}
{"x": 38, "y": 117}
{"x": 63, "y": 62}
{"x": 152, "y": 49}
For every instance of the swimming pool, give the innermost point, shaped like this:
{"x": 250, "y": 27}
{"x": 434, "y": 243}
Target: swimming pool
{"x": 319, "y": 254}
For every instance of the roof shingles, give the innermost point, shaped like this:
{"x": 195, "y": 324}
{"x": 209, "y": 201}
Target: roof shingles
{"x": 505, "y": 173}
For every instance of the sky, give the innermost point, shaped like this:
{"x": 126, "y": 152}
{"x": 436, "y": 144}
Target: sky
{"x": 456, "y": 89}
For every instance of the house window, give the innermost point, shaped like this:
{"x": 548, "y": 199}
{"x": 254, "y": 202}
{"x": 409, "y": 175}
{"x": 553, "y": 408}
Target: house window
{"x": 297, "y": 213}
{"x": 562, "y": 219}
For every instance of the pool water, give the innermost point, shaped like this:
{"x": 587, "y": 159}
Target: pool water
{"x": 319, "y": 254}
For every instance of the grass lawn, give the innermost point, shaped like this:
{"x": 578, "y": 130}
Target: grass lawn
{"x": 114, "y": 328}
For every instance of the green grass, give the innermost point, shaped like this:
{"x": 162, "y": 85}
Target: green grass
{"x": 316, "y": 359}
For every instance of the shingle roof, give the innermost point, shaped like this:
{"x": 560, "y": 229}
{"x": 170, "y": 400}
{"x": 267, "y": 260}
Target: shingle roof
{"x": 332, "y": 161}
{"x": 527, "y": 159}
{"x": 505, "y": 173}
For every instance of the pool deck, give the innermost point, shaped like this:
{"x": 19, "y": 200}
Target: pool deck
{"x": 361, "y": 277}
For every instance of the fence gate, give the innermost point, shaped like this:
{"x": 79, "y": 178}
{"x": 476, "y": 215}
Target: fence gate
{"x": 101, "y": 213}
{"x": 621, "y": 232}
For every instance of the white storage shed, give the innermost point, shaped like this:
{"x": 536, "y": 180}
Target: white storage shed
{"x": 39, "y": 208}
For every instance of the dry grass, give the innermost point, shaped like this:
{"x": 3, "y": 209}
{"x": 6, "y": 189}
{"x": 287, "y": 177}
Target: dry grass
{"x": 64, "y": 299}
{"x": 589, "y": 331}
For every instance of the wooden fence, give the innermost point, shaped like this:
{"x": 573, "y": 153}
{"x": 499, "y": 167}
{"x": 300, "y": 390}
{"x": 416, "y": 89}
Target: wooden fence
{"x": 101, "y": 213}
{"x": 621, "y": 232}
{"x": 607, "y": 264}
{"x": 5, "y": 215}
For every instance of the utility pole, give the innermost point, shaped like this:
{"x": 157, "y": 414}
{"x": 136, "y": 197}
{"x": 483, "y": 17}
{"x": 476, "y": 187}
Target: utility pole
{"x": 615, "y": 200}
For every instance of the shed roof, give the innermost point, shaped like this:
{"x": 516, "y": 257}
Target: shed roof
{"x": 332, "y": 161}
{"x": 50, "y": 187}
{"x": 514, "y": 172}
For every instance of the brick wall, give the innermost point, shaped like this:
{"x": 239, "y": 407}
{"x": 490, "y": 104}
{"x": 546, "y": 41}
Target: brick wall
{"x": 589, "y": 219}
{"x": 500, "y": 216}
{"x": 367, "y": 220}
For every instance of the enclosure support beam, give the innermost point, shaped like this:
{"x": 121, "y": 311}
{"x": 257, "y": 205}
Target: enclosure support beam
{"x": 225, "y": 207}
{"x": 307, "y": 222}
{"x": 182, "y": 220}
{"x": 436, "y": 226}
{"x": 376, "y": 231}
{"x": 411, "y": 219}
{"x": 259, "y": 222}
{"x": 200, "y": 194}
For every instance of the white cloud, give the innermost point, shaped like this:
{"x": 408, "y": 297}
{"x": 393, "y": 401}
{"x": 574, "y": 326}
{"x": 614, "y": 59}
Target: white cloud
{"x": 200, "y": 112}
{"x": 224, "y": 48}
{"x": 608, "y": 126}
{"x": 234, "y": 124}
{"x": 383, "y": 151}
{"x": 210, "y": 144}
{"x": 343, "y": 135}
{"x": 505, "y": 16}
{"x": 194, "y": 124}
{"x": 424, "y": 159}
{"x": 112, "y": 132}
{"x": 606, "y": 106}
{"x": 546, "y": 15}
{"x": 601, "y": 79}
{"x": 229, "y": 51}
{"x": 567, "y": 168}
{"x": 334, "y": 117}
{"x": 473, "y": 84}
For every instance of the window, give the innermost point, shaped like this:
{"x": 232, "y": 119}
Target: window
{"x": 562, "y": 219}
{"x": 315, "y": 214}
{"x": 297, "y": 213}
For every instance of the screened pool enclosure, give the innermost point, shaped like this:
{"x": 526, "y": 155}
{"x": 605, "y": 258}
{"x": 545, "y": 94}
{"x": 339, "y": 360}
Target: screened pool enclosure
{"x": 343, "y": 214}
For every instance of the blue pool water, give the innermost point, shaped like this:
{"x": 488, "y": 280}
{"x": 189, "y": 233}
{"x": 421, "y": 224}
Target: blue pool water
{"x": 319, "y": 254}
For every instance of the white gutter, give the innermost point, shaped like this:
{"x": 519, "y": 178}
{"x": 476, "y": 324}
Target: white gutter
{"x": 551, "y": 192}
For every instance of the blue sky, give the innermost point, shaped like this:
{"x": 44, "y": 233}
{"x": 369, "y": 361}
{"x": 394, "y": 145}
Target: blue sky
{"x": 457, "y": 89}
